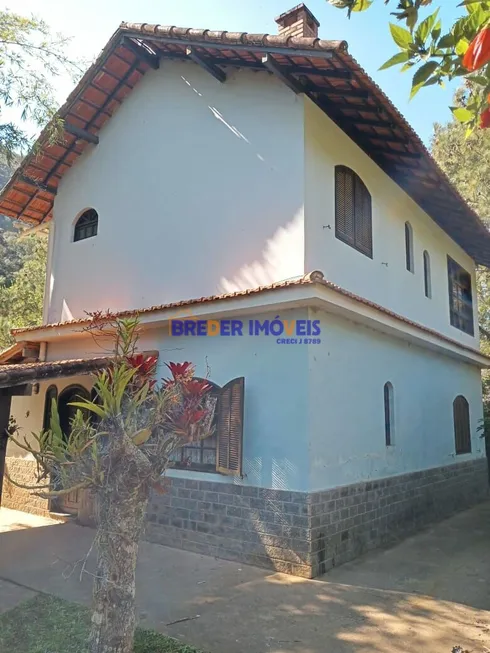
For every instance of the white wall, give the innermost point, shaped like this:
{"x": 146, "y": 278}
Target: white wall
{"x": 275, "y": 419}
{"x": 199, "y": 190}
{"x": 29, "y": 411}
{"x": 383, "y": 279}
{"x": 347, "y": 429}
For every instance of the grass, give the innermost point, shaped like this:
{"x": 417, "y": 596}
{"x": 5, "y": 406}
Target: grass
{"x": 45, "y": 624}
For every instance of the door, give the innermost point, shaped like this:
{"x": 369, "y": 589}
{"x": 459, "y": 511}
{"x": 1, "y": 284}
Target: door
{"x": 4, "y": 422}
{"x": 69, "y": 503}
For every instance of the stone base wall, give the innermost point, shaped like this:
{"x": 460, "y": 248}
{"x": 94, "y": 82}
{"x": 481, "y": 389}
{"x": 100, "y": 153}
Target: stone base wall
{"x": 24, "y": 472}
{"x": 308, "y": 534}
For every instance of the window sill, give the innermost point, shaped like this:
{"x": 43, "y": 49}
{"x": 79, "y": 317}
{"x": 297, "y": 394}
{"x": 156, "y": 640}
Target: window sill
{"x": 194, "y": 475}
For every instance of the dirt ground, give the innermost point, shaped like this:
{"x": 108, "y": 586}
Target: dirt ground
{"x": 429, "y": 593}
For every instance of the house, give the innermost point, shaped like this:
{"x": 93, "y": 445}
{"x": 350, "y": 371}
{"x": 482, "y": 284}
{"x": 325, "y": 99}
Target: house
{"x": 270, "y": 216}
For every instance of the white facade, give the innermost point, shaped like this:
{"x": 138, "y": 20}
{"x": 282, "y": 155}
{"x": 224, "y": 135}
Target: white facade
{"x": 314, "y": 416}
{"x": 199, "y": 189}
{"x": 205, "y": 188}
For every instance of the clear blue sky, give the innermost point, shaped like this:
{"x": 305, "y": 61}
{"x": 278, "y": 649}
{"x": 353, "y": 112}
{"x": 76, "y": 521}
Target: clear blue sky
{"x": 92, "y": 22}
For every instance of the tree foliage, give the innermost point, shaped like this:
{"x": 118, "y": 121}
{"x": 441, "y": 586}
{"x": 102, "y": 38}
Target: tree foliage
{"x": 21, "y": 296}
{"x": 435, "y": 54}
{"x": 31, "y": 59}
{"x": 119, "y": 446}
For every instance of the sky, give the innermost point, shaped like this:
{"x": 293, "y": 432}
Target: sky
{"x": 90, "y": 23}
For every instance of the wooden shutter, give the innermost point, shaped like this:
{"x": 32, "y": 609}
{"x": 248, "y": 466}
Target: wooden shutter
{"x": 353, "y": 211}
{"x": 363, "y": 218}
{"x": 230, "y": 428}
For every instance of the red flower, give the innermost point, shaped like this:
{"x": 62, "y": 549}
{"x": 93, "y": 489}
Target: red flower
{"x": 485, "y": 119}
{"x": 478, "y": 53}
{"x": 189, "y": 417}
{"x": 196, "y": 388}
{"x": 181, "y": 370}
{"x": 146, "y": 366}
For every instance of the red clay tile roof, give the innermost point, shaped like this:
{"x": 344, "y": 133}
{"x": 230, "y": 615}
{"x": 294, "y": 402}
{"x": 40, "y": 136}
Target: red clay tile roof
{"x": 313, "y": 278}
{"x": 12, "y": 375}
{"x": 321, "y": 69}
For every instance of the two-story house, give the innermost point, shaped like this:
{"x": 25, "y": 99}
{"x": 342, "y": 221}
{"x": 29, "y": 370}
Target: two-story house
{"x": 265, "y": 183}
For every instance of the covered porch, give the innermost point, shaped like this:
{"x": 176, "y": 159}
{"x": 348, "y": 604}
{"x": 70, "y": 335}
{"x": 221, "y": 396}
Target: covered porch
{"x": 21, "y": 385}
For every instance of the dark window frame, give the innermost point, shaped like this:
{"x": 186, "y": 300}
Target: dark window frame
{"x": 409, "y": 257}
{"x": 200, "y": 446}
{"x": 427, "y": 275}
{"x": 462, "y": 426}
{"x": 460, "y": 297}
{"x": 389, "y": 412}
{"x": 86, "y": 226}
{"x": 228, "y": 435}
{"x": 359, "y": 233}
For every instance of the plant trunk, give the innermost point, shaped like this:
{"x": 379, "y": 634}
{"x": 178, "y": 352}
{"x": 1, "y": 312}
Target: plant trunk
{"x": 120, "y": 513}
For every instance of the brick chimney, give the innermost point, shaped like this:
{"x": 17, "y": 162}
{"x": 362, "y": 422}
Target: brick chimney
{"x": 298, "y": 21}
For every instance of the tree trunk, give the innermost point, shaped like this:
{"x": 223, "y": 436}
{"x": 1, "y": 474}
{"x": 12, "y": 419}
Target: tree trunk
{"x": 120, "y": 514}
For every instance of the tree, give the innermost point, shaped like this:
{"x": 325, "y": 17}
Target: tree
{"x": 435, "y": 55}
{"x": 21, "y": 297}
{"x": 31, "y": 58}
{"x": 467, "y": 164}
{"x": 119, "y": 446}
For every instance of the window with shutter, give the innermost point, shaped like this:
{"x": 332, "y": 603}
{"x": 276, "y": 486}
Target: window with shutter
{"x": 462, "y": 432}
{"x": 353, "y": 211}
{"x": 409, "y": 247}
{"x": 200, "y": 456}
{"x": 222, "y": 451}
{"x": 230, "y": 427}
{"x": 427, "y": 278}
{"x": 460, "y": 297}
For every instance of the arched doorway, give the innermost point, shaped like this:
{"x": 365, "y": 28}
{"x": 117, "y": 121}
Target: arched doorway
{"x": 69, "y": 503}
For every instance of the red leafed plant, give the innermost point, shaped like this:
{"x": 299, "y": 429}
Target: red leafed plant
{"x": 120, "y": 457}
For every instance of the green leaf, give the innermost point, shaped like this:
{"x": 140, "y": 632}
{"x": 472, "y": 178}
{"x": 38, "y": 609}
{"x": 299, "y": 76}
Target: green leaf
{"x": 362, "y": 5}
{"x": 89, "y": 405}
{"x": 425, "y": 27}
{"x": 424, "y": 72}
{"x": 446, "y": 41}
{"x": 461, "y": 47}
{"x": 141, "y": 436}
{"x": 401, "y": 57}
{"x": 401, "y": 36}
{"x": 462, "y": 114}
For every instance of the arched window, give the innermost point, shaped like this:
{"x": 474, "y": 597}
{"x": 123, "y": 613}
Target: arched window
{"x": 222, "y": 451}
{"x": 389, "y": 413}
{"x": 409, "y": 247}
{"x": 427, "y": 279}
{"x": 462, "y": 433}
{"x": 51, "y": 393}
{"x": 86, "y": 225}
{"x": 353, "y": 211}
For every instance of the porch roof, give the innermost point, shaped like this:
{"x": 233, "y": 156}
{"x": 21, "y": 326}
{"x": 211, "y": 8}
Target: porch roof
{"x": 323, "y": 70}
{"x": 14, "y": 375}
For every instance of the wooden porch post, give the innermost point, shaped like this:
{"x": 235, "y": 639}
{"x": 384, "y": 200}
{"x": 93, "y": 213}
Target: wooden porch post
{"x": 5, "y": 401}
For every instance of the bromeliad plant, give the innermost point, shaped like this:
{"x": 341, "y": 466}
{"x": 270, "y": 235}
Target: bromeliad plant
{"x": 435, "y": 55}
{"x": 119, "y": 447}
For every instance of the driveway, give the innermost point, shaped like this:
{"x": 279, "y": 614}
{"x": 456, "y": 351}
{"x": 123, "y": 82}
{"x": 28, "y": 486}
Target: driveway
{"x": 429, "y": 593}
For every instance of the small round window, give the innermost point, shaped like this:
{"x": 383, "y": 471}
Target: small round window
{"x": 86, "y": 225}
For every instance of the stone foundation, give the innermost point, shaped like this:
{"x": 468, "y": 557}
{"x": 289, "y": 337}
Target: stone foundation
{"x": 22, "y": 471}
{"x": 308, "y": 534}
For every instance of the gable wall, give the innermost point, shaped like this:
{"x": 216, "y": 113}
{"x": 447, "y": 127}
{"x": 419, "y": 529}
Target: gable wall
{"x": 199, "y": 190}
{"x": 383, "y": 279}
